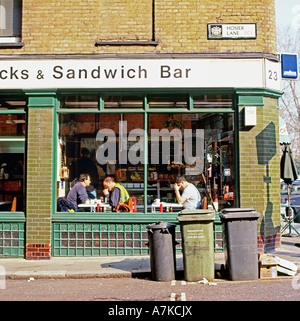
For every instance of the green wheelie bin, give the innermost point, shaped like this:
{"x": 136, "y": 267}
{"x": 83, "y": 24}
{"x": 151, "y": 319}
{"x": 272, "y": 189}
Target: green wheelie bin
{"x": 197, "y": 244}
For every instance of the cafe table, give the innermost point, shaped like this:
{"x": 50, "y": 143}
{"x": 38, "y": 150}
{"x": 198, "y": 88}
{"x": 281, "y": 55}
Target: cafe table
{"x": 155, "y": 207}
{"x": 93, "y": 206}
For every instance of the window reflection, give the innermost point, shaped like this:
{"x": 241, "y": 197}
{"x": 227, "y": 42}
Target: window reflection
{"x": 12, "y": 125}
{"x": 212, "y": 101}
{"x": 111, "y": 101}
{"x": 8, "y": 103}
{"x": 198, "y": 146}
{"x": 79, "y": 101}
{"x": 168, "y": 101}
{"x": 111, "y": 140}
{"x": 12, "y": 147}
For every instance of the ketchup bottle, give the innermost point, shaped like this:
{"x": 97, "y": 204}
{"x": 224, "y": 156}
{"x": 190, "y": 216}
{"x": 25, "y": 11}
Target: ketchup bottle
{"x": 161, "y": 208}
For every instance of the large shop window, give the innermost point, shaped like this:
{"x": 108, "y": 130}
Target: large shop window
{"x": 12, "y": 148}
{"x": 146, "y": 151}
{"x": 197, "y": 146}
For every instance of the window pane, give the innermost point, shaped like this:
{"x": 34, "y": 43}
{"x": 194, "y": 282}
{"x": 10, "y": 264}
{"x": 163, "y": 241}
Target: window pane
{"x": 12, "y": 125}
{"x": 10, "y": 18}
{"x": 123, "y": 101}
{"x": 199, "y": 147}
{"x": 168, "y": 101}
{"x": 12, "y": 103}
{"x": 12, "y": 148}
{"x": 17, "y": 18}
{"x": 134, "y": 168}
{"x": 114, "y": 143}
{"x": 79, "y": 101}
{"x": 212, "y": 101}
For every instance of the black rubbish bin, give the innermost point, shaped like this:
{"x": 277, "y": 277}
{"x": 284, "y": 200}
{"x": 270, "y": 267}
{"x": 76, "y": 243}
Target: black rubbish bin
{"x": 161, "y": 237}
{"x": 240, "y": 226}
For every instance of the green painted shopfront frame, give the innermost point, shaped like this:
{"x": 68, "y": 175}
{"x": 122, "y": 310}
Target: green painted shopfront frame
{"x": 100, "y": 234}
{"x": 121, "y": 234}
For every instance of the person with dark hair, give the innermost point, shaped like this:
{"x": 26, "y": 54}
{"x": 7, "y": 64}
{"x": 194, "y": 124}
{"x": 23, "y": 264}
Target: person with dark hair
{"x": 116, "y": 192}
{"x": 85, "y": 165}
{"x": 78, "y": 193}
{"x": 190, "y": 198}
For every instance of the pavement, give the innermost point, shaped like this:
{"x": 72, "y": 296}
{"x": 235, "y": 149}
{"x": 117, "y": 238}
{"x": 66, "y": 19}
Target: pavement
{"x": 115, "y": 266}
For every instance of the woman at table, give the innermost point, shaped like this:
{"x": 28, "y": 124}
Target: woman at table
{"x": 116, "y": 192}
{"x": 78, "y": 194}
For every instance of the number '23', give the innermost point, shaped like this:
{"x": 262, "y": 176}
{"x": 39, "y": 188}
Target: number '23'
{"x": 273, "y": 75}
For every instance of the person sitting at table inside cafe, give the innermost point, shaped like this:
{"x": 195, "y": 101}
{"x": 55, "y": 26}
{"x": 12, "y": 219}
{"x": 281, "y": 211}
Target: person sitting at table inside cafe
{"x": 78, "y": 194}
{"x": 190, "y": 198}
{"x": 115, "y": 192}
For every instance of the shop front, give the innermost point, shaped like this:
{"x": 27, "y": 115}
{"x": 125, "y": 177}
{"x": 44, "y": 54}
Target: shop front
{"x": 144, "y": 141}
{"x": 143, "y": 122}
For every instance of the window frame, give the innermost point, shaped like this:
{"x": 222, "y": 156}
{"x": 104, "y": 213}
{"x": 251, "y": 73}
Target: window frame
{"x": 19, "y": 215}
{"x": 13, "y": 39}
{"x": 146, "y": 110}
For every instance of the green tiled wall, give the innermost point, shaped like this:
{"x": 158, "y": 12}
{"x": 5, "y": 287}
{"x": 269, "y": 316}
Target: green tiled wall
{"x": 260, "y": 167}
{"x": 12, "y": 239}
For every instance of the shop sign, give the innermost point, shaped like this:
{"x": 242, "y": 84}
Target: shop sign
{"x": 273, "y": 75}
{"x": 289, "y": 66}
{"x": 250, "y": 116}
{"x": 231, "y": 31}
{"x": 137, "y": 73}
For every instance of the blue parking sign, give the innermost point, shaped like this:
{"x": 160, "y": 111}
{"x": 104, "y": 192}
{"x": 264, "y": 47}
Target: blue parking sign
{"x": 289, "y": 66}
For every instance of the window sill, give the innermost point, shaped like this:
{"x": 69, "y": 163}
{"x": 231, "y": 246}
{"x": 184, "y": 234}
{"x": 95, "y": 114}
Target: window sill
{"x": 126, "y": 43}
{"x": 6, "y": 45}
{"x": 12, "y": 217}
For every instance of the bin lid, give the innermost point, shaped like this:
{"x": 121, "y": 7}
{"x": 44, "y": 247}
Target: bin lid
{"x": 160, "y": 225}
{"x": 238, "y": 213}
{"x": 196, "y": 215}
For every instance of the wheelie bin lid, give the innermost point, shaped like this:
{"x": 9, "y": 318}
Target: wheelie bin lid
{"x": 238, "y": 213}
{"x": 160, "y": 225}
{"x": 196, "y": 215}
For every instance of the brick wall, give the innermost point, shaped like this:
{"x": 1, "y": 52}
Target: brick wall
{"x": 72, "y": 27}
{"x": 259, "y": 172}
{"x": 39, "y": 183}
{"x": 124, "y": 20}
